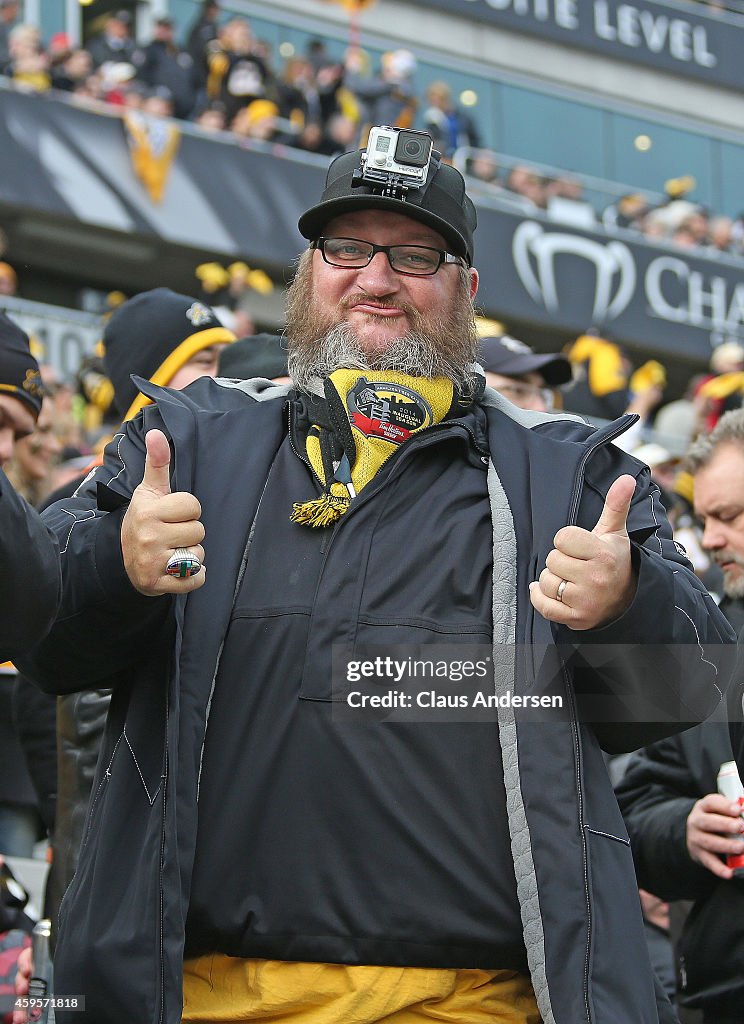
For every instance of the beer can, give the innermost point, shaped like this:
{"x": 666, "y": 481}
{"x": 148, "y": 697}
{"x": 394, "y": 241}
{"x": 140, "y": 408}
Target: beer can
{"x": 730, "y": 786}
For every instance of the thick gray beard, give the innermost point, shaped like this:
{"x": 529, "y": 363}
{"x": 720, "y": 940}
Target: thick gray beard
{"x": 412, "y": 354}
{"x": 734, "y": 588}
{"x": 436, "y": 347}
{"x": 733, "y": 584}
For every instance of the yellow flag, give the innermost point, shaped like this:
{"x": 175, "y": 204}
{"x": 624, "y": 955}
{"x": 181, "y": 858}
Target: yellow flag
{"x": 153, "y": 143}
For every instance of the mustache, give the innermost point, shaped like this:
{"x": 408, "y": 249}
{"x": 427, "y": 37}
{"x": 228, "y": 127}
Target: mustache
{"x": 720, "y": 557}
{"x": 362, "y": 299}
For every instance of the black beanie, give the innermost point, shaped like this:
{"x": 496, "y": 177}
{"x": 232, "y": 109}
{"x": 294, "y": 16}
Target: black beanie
{"x": 259, "y": 355}
{"x": 153, "y": 335}
{"x": 19, "y": 371}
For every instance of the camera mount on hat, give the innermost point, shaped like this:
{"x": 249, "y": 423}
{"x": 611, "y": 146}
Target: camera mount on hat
{"x": 409, "y": 178}
{"x": 395, "y": 160}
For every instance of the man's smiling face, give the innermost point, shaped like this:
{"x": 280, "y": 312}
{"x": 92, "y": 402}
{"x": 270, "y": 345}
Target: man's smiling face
{"x": 378, "y": 302}
{"x": 377, "y": 312}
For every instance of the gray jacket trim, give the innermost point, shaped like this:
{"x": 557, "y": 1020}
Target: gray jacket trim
{"x": 527, "y": 417}
{"x": 504, "y": 634}
{"x": 260, "y": 389}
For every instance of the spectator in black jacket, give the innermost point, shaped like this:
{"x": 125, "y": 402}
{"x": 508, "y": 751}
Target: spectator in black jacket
{"x": 163, "y": 63}
{"x": 30, "y": 574}
{"x": 388, "y": 286}
{"x": 201, "y": 36}
{"x": 681, "y": 828}
{"x": 115, "y": 42}
{"x": 29, "y": 566}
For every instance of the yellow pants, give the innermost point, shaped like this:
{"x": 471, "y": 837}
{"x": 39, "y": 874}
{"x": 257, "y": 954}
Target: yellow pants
{"x": 221, "y": 990}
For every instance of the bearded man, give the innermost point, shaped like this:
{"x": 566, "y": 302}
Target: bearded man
{"x": 716, "y": 462}
{"x": 686, "y": 835}
{"x": 255, "y": 850}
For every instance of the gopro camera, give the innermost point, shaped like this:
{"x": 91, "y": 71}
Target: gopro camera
{"x": 397, "y": 158}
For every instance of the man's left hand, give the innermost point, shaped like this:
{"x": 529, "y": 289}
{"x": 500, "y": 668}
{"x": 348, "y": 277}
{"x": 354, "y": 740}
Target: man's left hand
{"x": 596, "y": 566}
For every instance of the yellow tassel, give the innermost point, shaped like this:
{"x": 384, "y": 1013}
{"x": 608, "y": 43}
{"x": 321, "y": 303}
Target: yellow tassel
{"x": 322, "y": 511}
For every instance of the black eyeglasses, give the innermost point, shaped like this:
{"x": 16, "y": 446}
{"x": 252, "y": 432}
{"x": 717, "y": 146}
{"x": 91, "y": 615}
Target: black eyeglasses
{"x": 354, "y": 253}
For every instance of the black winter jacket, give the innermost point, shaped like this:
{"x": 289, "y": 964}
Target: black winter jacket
{"x": 121, "y": 928}
{"x": 30, "y": 574}
{"x": 661, "y": 785}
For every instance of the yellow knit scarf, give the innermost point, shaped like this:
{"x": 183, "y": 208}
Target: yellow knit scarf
{"x": 371, "y": 415}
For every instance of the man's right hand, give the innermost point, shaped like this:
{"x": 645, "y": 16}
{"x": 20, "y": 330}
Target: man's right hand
{"x": 712, "y": 827}
{"x": 156, "y": 523}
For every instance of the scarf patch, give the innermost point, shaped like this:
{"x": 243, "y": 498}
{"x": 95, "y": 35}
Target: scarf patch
{"x": 387, "y": 410}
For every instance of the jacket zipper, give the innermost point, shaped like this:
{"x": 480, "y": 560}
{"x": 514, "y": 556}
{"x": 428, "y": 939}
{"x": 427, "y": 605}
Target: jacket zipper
{"x": 241, "y": 573}
{"x": 302, "y": 457}
{"x": 573, "y": 512}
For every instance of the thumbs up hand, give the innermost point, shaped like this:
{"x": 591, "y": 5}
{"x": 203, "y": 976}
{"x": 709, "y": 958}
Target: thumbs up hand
{"x": 156, "y": 523}
{"x": 588, "y": 579}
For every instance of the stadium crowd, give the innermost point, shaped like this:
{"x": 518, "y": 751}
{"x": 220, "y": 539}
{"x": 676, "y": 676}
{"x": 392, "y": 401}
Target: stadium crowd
{"x": 223, "y": 78}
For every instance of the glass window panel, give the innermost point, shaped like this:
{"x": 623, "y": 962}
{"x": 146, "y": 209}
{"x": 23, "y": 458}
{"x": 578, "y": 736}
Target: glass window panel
{"x": 731, "y": 200}
{"x": 551, "y": 130}
{"x": 673, "y": 152}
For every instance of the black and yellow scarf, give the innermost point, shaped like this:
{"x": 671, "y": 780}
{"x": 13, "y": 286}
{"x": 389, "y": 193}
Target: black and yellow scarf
{"x": 364, "y": 419}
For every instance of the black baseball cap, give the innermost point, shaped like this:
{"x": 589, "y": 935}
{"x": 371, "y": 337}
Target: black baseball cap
{"x": 512, "y": 358}
{"x": 442, "y": 204}
{"x": 259, "y": 355}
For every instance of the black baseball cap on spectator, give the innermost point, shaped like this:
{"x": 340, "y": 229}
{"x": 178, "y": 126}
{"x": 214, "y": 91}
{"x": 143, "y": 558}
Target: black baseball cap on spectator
{"x": 512, "y": 358}
{"x": 19, "y": 372}
{"x": 259, "y": 355}
{"x": 442, "y": 204}
{"x": 154, "y": 334}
